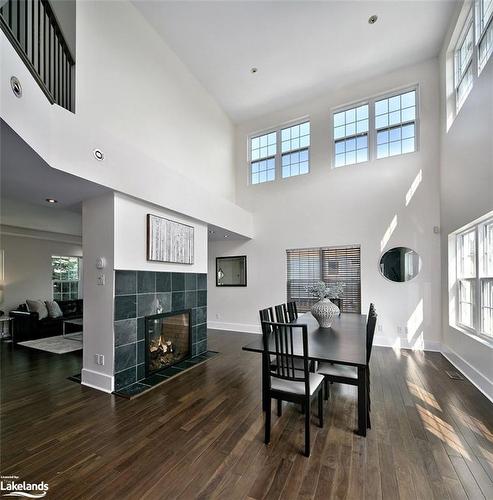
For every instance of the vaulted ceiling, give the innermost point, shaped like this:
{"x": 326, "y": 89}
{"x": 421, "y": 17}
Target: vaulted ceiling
{"x": 301, "y": 48}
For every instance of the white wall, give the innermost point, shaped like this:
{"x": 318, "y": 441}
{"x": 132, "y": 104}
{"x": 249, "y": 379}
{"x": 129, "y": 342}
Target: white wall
{"x": 466, "y": 192}
{"x": 131, "y": 237}
{"x": 27, "y": 267}
{"x": 165, "y": 139}
{"x": 349, "y": 205}
{"x": 98, "y": 241}
{"x": 40, "y": 218}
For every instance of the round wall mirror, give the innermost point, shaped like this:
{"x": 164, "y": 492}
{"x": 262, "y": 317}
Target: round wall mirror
{"x": 400, "y": 264}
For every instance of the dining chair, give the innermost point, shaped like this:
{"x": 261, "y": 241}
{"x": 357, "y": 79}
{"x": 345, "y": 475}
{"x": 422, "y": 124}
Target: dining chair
{"x": 344, "y": 374}
{"x": 292, "y": 311}
{"x": 284, "y": 381}
{"x": 281, "y": 313}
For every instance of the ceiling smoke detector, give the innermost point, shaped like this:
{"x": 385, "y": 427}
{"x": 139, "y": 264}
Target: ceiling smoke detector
{"x": 372, "y": 19}
{"x": 16, "y": 86}
{"x": 98, "y": 154}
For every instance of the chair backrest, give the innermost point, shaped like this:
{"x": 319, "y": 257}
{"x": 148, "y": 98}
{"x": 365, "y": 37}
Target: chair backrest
{"x": 267, "y": 314}
{"x": 292, "y": 311}
{"x": 372, "y": 308}
{"x": 279, "y": 341}
{"x": 281, "y": 313}
{"x": 370, "y": 333}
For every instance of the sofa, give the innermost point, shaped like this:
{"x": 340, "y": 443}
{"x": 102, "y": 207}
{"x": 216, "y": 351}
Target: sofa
{"x": 28, "y": 326}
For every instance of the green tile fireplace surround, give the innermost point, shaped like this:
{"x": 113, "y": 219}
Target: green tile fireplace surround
{"x": 143, "y": 293}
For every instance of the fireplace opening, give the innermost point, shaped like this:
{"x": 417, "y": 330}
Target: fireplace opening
{"x": 168, "y": 340}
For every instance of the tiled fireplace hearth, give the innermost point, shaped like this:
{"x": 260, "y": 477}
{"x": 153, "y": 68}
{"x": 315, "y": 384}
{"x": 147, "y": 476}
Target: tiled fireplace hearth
{"x": 142, "y": 294}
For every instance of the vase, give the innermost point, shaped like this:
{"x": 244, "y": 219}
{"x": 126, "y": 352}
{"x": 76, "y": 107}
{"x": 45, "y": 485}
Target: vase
{"x": 324, "y": 311}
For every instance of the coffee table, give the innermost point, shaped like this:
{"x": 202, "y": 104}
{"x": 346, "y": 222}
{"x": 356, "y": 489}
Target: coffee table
{"x": 74, "y": 322}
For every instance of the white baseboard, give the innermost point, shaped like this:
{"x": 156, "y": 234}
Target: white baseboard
{"x": 96, "y": 380}
{"x": 234, "y": 327}
{"x": 403, "y": 343}
{"x": 474, "y": 376}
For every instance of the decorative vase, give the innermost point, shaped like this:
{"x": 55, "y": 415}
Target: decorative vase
{"x": 324, "y": 311}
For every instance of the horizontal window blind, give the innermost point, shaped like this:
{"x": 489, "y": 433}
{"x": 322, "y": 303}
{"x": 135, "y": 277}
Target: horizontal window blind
{"x": 307, "y": 266}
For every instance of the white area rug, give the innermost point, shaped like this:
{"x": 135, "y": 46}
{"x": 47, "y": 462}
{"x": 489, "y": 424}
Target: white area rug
{"x": 57, "y": 345}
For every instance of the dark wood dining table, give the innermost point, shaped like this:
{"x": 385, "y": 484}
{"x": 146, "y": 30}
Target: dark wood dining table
{"x": 343, "y": 343}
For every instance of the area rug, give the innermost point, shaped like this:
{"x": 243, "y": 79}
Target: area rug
{"x": 57, "y": 345}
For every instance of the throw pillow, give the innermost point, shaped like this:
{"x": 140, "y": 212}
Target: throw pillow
{"x": 54, "y": 310}
{"x": 37, "y": 306}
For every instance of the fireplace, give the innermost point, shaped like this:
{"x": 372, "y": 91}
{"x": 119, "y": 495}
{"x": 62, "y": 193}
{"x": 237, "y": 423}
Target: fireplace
{"x": 168, "y": 340}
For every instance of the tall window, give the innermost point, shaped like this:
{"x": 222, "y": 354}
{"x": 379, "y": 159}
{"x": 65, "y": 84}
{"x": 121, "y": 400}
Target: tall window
{"x": 263, "y": 158}
{"x": 484, "y": 31}
{"x": 463, "y": 62}
{"x": 395, "y": 124}
{"x": 287, "y": 149}
{"x": 351, "y": 136}
{"x": 475, "y": 278}
{"x": 328, "y": 264}
{"x": 295, "y": 143}
{"x": 66, "y": 277}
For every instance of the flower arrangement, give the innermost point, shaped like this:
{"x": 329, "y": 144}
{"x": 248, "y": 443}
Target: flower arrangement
{"x": 323, "y": 290}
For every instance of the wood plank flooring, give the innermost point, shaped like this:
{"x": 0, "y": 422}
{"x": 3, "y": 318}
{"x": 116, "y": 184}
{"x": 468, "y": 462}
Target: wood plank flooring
{"x": 200, "y": 435}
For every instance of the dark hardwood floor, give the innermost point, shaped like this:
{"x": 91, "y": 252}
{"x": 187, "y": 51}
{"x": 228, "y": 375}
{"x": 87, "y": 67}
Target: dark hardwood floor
{"x": 200, "y": 435}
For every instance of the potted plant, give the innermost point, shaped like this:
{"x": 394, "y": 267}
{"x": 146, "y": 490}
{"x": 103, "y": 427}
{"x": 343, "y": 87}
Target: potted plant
{"x": 324, "y": 311}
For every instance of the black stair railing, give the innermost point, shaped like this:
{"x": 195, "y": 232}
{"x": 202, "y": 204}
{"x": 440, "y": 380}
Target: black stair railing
{"x": 33, "y": 30}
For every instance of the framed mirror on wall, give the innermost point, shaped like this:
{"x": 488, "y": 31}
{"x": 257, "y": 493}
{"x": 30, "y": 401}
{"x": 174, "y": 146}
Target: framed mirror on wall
{"x": 400, "y": 264}
{"x": 231, "y": 271}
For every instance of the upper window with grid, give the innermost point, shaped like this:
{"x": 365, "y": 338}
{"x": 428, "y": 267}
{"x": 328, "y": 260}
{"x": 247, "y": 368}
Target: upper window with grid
{"x": 351, "y": 136}
{"x": 263, "y": 158}
{"x": 395, "y": 124}
{"x": 484, "y": 31}
{"x": 463, "y": 62}
{"x": 295, "y": 152}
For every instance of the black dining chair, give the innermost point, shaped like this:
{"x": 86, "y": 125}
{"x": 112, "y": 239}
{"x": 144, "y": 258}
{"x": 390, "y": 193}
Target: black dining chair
{"x": 281, "y": 313}
{"x": 284, "y": 381}
{"x": 344, "y": 374}
{"x": 292, "y": 311}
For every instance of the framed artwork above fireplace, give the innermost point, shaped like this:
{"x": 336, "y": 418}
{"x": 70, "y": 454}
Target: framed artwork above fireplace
{"x": 169, "y": 241}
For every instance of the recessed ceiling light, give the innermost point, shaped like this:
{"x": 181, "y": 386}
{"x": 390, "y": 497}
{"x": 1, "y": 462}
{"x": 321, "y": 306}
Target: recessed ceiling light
{"x": 225, "y": 235}
{"x": 16, "y": 86}
{"x": 372, "y": 19}
{"x": 253, "y": 70}
{"x": 211, "y": 231}
{"x": 51, "y": 200}
{"x": 98, "y": 154}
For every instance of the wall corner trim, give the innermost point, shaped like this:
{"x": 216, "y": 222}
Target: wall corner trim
{"x": 97, "y": 380}
{"x": 480, "y": 381}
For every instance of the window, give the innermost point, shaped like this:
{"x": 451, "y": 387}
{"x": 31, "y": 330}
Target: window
{"x": 395, "y": 124}
{"x": 263, "y": 158}
{"x": 484, "y": 31}
{"x": 475, "y": 278}
{"x": 351, "y": 136}
{"x": 463, "y": 62}
{"x": 65, "y": 277}
{"x": 288, "y": 147}
{"x": 329, "y": 264}
{"x": 295, "y": 143}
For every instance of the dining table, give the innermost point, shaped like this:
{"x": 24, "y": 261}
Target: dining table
{"x": 343, "y": 343}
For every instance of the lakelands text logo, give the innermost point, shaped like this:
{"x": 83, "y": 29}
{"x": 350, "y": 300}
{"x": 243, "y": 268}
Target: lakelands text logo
{"x": 10, "y": 486}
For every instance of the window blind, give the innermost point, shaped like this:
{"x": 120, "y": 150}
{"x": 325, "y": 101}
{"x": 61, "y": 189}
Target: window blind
{"x": 307, "y": 266}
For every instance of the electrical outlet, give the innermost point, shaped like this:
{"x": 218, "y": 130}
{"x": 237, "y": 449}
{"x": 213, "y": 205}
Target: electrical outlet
{"x": 99, "y": 359}
{"x": 380, "y": 328}
{"x": 218, "y": 316}
{"x": 96, "y": 359}
{"x": 101, "y": 280}
{"x": 399, "y": 330}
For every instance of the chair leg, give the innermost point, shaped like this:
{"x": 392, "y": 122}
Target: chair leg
{"x": 279, "y": 407}
{"x": 326, "y": 389}
{"x": 320, "y": 407}
{"x": 267, "y": 423}
{"x": 307, "y": 429}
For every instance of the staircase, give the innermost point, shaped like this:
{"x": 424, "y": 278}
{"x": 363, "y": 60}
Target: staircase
{"x": 33, "y": 30}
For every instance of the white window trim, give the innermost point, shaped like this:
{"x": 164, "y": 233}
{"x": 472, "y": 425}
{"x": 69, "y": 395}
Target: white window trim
{"x": 481, "y": 29}
{"x": 468, "y": 23}
{"x": 372, "y": 133}
{"x": 277, "y": 159}
{"x": 475, "y": 331}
